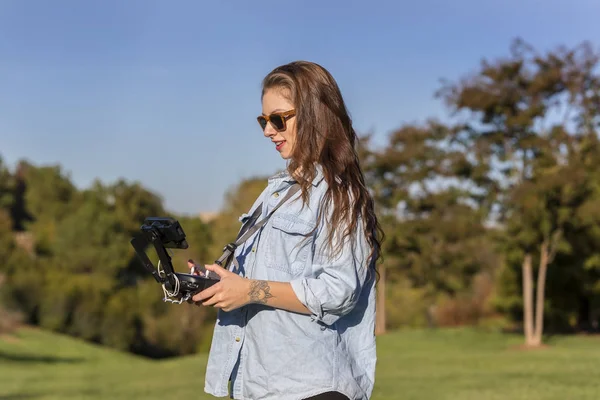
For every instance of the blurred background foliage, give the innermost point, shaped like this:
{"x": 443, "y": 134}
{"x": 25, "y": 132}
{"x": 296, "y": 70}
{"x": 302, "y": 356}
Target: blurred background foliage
{"x": 491, "y": 219}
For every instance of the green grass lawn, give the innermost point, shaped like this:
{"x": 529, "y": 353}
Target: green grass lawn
{"x": 460, "y": 364}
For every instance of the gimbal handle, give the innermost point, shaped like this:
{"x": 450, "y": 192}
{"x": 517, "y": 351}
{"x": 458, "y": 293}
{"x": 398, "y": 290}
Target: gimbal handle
{"x": 140, "y": 243}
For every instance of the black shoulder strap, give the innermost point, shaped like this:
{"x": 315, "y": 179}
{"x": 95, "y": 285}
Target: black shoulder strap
{"x": 246, "y": 231}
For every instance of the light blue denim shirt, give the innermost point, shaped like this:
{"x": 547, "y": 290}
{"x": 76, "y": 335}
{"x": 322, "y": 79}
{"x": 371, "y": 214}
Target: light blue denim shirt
{"x": 270, "y": 353}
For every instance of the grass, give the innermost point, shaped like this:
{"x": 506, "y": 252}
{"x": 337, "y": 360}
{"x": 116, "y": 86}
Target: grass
{"x": 457, "y": 364}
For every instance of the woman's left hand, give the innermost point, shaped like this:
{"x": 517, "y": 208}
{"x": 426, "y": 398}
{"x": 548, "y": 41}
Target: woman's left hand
{"x": 229, "y": 293}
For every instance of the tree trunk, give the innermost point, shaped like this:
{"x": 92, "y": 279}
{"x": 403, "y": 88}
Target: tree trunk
{"x": 380, "y": 321}
{"x": 540, "y": 295}
{"x": 528, "y": 299}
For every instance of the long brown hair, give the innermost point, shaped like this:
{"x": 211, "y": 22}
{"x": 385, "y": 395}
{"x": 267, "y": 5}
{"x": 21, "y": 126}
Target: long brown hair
{"x": 325, "y": 136}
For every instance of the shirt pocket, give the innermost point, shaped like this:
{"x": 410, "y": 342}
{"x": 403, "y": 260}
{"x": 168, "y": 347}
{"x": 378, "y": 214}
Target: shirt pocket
{"x": 289, "y": 243}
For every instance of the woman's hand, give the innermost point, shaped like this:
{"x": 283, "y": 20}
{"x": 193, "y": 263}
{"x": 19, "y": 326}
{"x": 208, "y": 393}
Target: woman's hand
{"x": 231, "y": 292}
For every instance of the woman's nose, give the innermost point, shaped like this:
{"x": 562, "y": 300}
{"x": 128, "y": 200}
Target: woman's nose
{"x": 269, "y": 131}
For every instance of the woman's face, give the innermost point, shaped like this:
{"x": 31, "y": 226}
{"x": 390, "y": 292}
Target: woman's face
{"x": 274, "y": 102}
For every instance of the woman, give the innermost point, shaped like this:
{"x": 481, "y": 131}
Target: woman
{"x": 297, "y": 307}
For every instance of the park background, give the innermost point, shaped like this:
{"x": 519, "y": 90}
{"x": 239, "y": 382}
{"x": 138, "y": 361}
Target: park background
{"x": 479, "y": 140}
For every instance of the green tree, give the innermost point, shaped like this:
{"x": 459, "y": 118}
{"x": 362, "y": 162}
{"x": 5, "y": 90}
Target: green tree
{"x": 46, "y": 195}
{"x": 8, "y": 318}
{"x": 436, "y": 238}
{"x": 82, "y": 276}
{"x": 511, "y": 107}
{"x": 7, "y": 183}
{"x": 226, "y": 225}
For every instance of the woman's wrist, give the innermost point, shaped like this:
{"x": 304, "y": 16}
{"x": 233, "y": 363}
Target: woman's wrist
{"x": 259, "y": 291}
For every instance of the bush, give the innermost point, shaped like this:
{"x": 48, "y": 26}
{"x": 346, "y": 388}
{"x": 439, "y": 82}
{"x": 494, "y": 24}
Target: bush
{"x": 467, "y": 308}
{"x": 406, "y": 306}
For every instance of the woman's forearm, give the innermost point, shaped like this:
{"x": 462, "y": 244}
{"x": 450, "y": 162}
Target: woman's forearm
{"x": 276, "y": 294}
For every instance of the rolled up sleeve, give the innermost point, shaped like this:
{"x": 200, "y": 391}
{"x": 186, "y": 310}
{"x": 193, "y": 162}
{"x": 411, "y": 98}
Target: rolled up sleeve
{"x": 337, "y": 282}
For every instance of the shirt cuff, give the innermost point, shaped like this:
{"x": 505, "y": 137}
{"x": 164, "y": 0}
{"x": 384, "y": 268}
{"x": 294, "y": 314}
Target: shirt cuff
{"x": 305, "y": 295}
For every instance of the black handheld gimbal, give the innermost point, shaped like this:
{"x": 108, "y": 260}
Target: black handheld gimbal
{"x": 165, "y": 233}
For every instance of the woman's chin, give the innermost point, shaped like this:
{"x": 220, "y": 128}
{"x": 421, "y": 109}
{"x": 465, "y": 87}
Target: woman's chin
{"x": 286, "y": 155}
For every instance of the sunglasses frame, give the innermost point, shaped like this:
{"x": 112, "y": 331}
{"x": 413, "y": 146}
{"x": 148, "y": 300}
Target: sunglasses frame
{"x": 284, "y": 115}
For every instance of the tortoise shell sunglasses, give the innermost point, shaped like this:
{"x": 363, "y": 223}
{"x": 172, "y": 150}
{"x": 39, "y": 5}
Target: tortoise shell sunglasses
{"x": 277, "y": 120}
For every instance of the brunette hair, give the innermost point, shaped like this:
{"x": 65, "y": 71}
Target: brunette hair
{"x": 325, "y": 136}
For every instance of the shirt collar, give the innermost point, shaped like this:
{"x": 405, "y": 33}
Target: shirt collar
{"x": 286, "y": 177}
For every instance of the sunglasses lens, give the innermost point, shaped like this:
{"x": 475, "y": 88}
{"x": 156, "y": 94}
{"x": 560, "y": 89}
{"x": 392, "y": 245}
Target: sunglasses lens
{"x": 277, "y": 121}
{"x": 263, "y": 122}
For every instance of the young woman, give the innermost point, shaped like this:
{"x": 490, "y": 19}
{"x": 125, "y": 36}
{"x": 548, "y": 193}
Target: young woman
{"x": 297, "y": 307}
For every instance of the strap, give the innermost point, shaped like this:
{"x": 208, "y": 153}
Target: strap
{"x": 250, "y": 221}
{"x": 246, "y": 232}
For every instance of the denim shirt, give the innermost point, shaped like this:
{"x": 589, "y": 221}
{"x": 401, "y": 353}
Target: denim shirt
{"x": 270, "y": 353}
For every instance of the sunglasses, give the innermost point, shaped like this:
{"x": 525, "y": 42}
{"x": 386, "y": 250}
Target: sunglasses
{"x": 277, "y": 120}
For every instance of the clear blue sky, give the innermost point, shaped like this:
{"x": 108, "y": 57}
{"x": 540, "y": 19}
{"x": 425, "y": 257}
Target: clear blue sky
{"x": 166, "y": 92}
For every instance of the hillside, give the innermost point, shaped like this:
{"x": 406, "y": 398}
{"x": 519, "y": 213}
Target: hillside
{"x": 448, "y": 364}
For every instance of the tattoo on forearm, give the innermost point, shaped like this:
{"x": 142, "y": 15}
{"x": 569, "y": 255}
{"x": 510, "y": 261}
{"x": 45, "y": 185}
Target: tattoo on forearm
{"x": 260, "y": 292}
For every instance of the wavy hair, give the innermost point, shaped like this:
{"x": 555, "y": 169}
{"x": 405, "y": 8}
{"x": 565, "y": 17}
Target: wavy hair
{"x": 325, "y": 136}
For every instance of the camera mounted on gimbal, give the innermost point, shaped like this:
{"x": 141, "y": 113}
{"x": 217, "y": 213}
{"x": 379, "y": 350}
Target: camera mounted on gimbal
{"x": 167, "y": 233}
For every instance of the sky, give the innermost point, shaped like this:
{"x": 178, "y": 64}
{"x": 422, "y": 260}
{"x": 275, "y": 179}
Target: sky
{"x": 166, "y": 93}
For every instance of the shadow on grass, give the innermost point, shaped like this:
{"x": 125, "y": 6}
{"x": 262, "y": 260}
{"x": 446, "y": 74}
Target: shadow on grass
{"x": 36, "y": 359}
{"x": 18, "y": 396}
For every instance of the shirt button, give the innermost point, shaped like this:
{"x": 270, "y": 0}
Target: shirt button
{"x": 237, "y": 339}
{"x": 276, "y": 194}
{"x": 254, "y": 249}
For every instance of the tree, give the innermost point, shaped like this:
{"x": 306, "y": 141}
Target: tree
{"x": 238, "y": 200}
{"x": 7, "y": 183}
{"x": 83, "y": 261}
{"x": 585, "y": 238}
{"x": 44, "y": 195}
{"x": 511, "y": 106}
{"x": 9, "y": 319}
{"x": 434, "y": 226}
